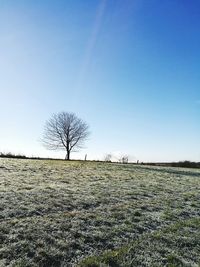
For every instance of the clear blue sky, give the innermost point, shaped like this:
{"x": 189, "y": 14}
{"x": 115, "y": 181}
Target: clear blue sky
{"x": 130, "y": 68}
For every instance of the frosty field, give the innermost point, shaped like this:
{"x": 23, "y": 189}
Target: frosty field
{"x": 59, "y": 213}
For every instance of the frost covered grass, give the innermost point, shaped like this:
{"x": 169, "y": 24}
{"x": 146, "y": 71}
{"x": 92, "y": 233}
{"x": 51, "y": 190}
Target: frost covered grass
{"x": 57, "y": 213}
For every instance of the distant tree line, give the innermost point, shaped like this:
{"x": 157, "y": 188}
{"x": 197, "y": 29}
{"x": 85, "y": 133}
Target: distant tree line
{"x": 19, "y": 156}
{"x": 183, "y": 164}
{"x": 10, "y": 155}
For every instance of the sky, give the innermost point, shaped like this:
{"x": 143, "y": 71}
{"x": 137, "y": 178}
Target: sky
{"x": 129, "y": 68}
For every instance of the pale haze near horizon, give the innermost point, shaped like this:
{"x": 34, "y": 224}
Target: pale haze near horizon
{"x": 130, "y": 69}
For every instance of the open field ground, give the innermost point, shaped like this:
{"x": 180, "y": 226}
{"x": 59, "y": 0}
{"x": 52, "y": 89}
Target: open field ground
{"x": 57, "y": 213}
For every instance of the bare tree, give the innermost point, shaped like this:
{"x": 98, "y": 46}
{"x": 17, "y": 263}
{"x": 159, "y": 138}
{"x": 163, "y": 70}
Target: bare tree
{"x": 108, "y": 157}
{"x": 123, "y": 159}
{"x": 65, "y": 131}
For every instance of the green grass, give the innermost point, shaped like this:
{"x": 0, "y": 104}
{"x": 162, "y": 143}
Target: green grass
{"x": 176, "y": 245}
{"x": 57, "y": 213}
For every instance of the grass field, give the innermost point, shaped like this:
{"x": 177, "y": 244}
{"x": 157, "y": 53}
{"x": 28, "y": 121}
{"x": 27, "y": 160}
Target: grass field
{"x": 57, "y": 213}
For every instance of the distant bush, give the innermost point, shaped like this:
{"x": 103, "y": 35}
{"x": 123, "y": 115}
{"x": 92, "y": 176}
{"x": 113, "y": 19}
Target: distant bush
{"x": 184, "y": 164}
{"x": 187, "y": 164}
{"x": 10, "y": 155}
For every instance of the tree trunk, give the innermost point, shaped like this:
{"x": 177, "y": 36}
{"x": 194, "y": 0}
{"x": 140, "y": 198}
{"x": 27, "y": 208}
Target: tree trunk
{"x": 67, "y": 157}
{"x": 68, "y": 151}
